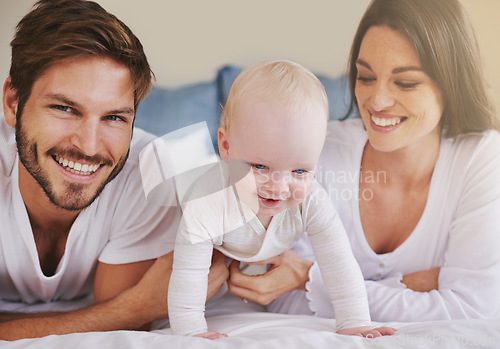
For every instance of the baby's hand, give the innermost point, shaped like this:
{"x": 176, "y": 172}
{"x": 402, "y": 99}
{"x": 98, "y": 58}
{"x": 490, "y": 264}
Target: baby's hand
{"x": 368, "y": 332}
{"x": 210, "y": 335}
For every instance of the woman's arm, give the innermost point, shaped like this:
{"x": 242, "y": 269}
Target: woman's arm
{"x": 422, "y": 281}
{"x": 289, "y": 272}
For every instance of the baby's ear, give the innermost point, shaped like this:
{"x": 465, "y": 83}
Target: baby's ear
{"x": 10, "y": 103}
{"x": 223, "y": 143}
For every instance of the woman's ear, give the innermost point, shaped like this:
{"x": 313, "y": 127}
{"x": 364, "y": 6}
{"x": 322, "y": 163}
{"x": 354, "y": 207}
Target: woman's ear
{"x": 223, "y": 143}
{"x": 10, "y": 103}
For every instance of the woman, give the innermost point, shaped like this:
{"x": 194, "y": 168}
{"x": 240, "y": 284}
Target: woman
{"x": 415, "y": 180}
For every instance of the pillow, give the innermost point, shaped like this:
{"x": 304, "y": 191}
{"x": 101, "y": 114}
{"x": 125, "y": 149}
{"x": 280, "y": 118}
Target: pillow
{"x": 337, "y": 91}
{"x": 339, "y": 97}
{"x": 168, "y": 109}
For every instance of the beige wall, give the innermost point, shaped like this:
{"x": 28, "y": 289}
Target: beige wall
{"x": 484, "y": 14}
{"x": 186, "y": 41}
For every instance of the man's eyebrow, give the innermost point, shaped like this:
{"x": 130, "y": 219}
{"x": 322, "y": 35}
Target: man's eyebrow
{"x": 397, "y": 70}
{"x": 62, "y": 98}
{"x": 121, "y": 111}
{"x": 65, "y": 100}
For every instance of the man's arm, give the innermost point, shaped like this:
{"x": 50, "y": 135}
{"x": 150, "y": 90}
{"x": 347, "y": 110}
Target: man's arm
{"x": 125, "y": 303}
{"x": 5, "y": 316}
{"x": 120, "y": 309}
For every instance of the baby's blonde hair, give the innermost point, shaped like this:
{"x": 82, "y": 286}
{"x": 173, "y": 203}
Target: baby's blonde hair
{"x": 278, "y": 80}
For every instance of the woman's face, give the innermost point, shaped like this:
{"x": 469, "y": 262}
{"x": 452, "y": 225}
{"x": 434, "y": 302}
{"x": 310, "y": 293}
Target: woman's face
{"x": 399, "y": 103}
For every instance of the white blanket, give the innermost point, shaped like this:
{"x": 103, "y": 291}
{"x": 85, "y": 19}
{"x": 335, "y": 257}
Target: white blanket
{"x": 248, "y": 327}
{"x": 265, "y": 330}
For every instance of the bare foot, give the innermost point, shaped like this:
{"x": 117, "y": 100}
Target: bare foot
{"x": 211, "y": 335}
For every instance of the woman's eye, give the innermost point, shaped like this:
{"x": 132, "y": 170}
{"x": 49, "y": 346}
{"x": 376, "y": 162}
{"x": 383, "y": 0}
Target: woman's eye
{"x": 365, "y": 79}
{"x": 407, "y": 85}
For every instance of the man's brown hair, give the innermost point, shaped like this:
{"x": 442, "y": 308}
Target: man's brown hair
{"x": 55, "y": 30}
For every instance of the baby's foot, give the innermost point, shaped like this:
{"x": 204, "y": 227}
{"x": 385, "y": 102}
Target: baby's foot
{"x": 211, "y": 335}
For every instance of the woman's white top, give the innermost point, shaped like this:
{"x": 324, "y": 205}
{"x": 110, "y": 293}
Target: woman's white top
{"x": 458, "y": 231}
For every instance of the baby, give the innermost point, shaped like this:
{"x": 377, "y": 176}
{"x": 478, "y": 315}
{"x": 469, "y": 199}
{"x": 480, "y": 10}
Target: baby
{"x": 272, "y": 131}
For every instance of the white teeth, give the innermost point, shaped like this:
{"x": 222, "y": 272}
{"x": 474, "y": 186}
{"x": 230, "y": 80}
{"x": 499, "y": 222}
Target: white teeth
{"x": 383, "y": 122}
{"x": 76, "y": 167}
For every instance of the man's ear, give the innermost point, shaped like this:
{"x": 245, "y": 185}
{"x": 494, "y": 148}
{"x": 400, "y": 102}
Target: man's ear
{"x": 10, "y": 103}
{"x": 223, "y": 143}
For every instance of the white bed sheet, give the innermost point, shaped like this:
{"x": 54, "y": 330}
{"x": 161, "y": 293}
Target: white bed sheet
{"x": 249, "y": 327}
{"x": 265, "y": 330}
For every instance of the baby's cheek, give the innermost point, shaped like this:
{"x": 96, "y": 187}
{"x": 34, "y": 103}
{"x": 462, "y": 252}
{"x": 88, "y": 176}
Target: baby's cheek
{"x": 299, "y": 192}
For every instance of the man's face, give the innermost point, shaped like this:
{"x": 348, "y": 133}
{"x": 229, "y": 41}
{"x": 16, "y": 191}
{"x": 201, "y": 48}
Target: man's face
{"x": 74, "y": 133}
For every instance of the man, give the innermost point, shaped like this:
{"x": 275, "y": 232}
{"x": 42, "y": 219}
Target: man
{"x": 75, "y": 221}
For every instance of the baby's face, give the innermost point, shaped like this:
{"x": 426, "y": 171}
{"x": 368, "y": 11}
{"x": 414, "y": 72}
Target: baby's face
{"x": 281, "y": 148}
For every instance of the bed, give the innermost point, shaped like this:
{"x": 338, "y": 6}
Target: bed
{"x": 249, "y": 326}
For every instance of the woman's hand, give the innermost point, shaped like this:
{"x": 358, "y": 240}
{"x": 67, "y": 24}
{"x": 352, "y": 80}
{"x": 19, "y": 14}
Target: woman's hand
{"x": 422, "y": 281}
{"x": 288, "y": 272}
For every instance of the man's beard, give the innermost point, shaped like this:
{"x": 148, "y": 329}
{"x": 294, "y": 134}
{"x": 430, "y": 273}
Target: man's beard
{"x": 74, "y": 198}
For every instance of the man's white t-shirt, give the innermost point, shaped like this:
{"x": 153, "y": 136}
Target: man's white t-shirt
{"x": 118, "y": 227}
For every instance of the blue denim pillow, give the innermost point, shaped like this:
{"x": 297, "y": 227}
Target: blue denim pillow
{"x": 168, "y": 109}
{"x": 337, "y": 91}
{"x": 339, "y": 97}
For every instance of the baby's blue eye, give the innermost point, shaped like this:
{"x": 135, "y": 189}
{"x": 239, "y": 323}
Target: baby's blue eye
{"x": 300, "y": 171}
{"x": 259, "y": 167}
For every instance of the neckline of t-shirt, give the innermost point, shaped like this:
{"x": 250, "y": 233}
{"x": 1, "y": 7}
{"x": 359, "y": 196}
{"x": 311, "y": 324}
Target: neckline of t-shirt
{"x": 359, "y": 232}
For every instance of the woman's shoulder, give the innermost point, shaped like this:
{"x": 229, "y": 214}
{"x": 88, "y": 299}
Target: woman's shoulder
{"x": 345, "y": 141}
{"x": 346, "y": 131}
{"x": 474, "y": 146}
{"x": 471, "y": 156}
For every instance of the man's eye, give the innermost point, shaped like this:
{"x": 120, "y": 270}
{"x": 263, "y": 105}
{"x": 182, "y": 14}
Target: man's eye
{"x": 115, "y": 118}
{"x": 63, "y": 108}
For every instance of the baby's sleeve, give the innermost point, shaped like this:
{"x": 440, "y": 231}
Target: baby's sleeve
{"x": 339, "y": 269}
{"x": 188, "y": 282}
